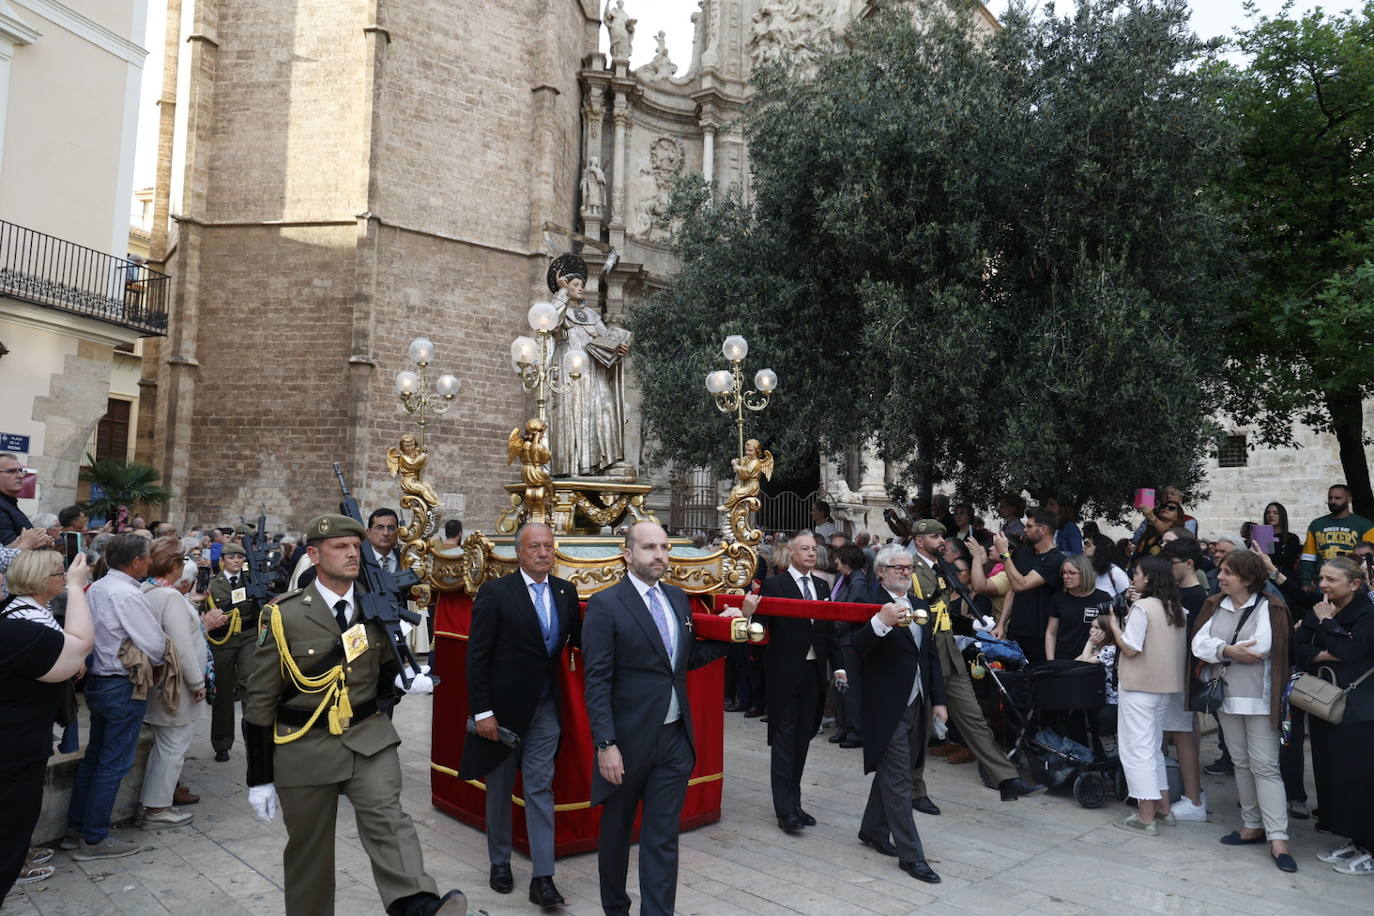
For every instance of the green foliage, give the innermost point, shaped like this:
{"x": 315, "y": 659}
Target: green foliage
{"x": 1304, "y": 184}
{"x": 122, "y": 483}
{"x": 999, "y": 255}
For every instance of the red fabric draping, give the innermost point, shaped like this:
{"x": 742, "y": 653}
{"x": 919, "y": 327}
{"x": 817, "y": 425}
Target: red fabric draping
{"x": 576, "y": 823}
{"x": 795, "y": 607}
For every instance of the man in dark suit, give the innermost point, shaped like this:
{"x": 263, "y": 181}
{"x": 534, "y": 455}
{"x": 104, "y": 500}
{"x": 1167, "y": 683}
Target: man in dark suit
{"x": 637, "y": 643}
{"x": 520, "y": 624}
{"x": 794, "y": 667}
{"x": 382, "y": 528}
{"x": 852, "y": 581}
{"x": 903, "y": 690}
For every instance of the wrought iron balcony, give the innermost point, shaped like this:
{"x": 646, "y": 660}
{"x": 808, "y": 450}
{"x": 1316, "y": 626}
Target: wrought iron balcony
{"x": 53, "y": 272}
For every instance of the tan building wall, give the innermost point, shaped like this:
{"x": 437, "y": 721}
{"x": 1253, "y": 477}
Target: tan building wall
{"x": 344, "y": 184}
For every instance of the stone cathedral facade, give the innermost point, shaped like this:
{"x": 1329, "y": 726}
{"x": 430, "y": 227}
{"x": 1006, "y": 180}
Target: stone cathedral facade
{"x": 338, "y": 177}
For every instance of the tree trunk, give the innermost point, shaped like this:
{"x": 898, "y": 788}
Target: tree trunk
{"x": 1346, "y": 409}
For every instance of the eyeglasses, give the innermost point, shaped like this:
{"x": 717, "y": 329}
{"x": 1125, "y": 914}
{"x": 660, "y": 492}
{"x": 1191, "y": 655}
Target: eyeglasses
{"x": 11, "y": 470}
{"x": 900, "y": 568}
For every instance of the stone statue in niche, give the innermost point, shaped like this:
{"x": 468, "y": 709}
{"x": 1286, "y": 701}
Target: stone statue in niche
{"x": 621, "y": 29}
{"x": 665, "y": 163}
{"x": 660, "y": 68}
{"x": 788, "y": 30}
{"x": 593, "y": 189}
{"x": 587, "y": 424}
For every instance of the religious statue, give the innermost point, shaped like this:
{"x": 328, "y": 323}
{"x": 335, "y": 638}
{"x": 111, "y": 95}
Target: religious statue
{"x": 529, "y": 447}
{"x": 661, "y": 67}
{"x": 621, "y": 28}
{"x": 408, "y": 462}
{"x": 587, "y": 424}
{"x": 593, "y": 189}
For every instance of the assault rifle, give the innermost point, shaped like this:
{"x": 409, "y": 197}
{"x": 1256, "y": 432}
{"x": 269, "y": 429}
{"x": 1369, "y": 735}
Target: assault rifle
{"x": 263, "y": 560}
{"x": 384, "y": 594}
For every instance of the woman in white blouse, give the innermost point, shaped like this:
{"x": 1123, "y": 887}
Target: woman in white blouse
{"x": 1243, "y": 636}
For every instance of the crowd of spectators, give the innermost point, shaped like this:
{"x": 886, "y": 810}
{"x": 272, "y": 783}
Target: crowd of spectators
{"x": 1163, "y": 611}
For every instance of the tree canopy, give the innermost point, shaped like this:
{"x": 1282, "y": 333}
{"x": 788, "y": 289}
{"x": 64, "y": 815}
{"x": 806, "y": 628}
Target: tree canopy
{"x": 1000, "y": 256}
{"x": 1303, "y": 182}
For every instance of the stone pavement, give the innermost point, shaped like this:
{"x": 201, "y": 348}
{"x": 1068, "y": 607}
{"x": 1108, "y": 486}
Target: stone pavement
{"x": 1042, "y": 855}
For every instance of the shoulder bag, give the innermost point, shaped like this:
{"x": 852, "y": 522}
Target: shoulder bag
{"x": 1320, "y": 697}
{"x": 1208, "y": 696}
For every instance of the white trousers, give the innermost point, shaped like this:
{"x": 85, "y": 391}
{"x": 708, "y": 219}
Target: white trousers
{"x": 1139, "y": 738}
{"x": 170, "y": 744}
{"x": 1254, "y": 747}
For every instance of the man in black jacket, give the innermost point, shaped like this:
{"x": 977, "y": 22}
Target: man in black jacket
{"x": 520, "y": 624}
{"x": 638, "y": 645}
{"x": 794, "y": 665}
{"x": 13, "y": 522}
{"x": 903, "y": 690}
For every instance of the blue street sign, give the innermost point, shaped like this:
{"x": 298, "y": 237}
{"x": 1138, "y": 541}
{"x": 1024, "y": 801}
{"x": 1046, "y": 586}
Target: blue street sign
{"x": 10, "y": 442}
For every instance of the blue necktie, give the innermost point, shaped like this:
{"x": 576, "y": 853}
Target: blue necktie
{"x": 539, "y": 606}
{"x": 661, "y": 619}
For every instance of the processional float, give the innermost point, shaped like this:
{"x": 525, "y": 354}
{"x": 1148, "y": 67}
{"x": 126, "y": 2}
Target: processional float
{"x": 574, "y": 362}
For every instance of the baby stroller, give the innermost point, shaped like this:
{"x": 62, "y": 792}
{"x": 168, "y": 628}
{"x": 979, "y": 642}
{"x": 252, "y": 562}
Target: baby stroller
{"x": 1073, "y": 693}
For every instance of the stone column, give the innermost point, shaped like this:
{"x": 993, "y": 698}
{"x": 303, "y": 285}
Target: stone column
{"x": 622, "y": 121}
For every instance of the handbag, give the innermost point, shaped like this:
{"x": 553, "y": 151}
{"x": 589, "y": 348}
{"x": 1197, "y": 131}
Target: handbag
{"x": 1208, "y": 696}
{"x": 1317, "y": 696}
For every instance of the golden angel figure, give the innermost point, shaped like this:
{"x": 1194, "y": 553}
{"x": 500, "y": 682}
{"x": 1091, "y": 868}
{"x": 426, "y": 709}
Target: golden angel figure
{"x": 748, "y": 469}
{"x": 408, "y": 462}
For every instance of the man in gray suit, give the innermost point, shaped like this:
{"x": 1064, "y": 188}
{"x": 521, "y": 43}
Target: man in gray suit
{"x": 638, "y": 645}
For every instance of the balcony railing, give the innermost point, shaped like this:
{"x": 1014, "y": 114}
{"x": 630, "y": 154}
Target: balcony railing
{"x": 49, "y": 271}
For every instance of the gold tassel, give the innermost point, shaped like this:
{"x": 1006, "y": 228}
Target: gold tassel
{"x": 344, "y": 706}
{"x": 334, "y": 727}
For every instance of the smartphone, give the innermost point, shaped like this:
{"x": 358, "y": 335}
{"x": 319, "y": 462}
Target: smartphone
{"x": 71, "y": 546}
{"x": 1144, "y": 498}
{"x": 202, "y": 579}
{"x": 1263, "y": 536}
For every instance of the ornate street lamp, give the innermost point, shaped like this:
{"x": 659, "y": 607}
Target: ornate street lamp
{"x": 727, "y": 385}
{"x": 414, "y": 390}
{"x": 532, "y": 357}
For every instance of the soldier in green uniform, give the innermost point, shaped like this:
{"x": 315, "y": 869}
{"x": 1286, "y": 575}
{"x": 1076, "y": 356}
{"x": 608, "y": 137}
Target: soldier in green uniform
{"x": 314, "y": 733}
{"x": 231, "y": 645}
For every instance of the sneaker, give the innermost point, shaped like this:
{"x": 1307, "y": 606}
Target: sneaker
{"x": 71, "y": 840}
{"x": 1361, "y": 865}
{"x": 112, "y": 847}
{"x": 1168, "y": 820}
{"x": 1135, "y": 824}
{"x": 1185, "y": 810}
{"x": 167, "y": 817}
{"x": 1344, "y": 854}
{"x": 1220, "y": 767}
{"x": 1298, "y": 808}
{"x": 38, "y": 855}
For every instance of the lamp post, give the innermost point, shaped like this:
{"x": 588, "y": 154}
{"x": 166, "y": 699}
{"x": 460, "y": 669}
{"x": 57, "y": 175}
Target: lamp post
{"x": 414, "y": 390}
{"x": 727, "y": 385}
{"x": 532, "y": 357}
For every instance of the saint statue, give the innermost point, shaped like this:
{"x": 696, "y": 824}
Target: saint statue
{"x": 621, "y": 28}
{"x": 587, "y": 424}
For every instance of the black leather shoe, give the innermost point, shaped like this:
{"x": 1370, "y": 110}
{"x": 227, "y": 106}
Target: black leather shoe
{"x": 502, "y": 881}
{"x": 851, "y": 741}
{"x": 543, "y": 893}
{"x": 837, "y": 737}
{"x": 1016, "y": 787}
{"x": 1222, "y": 766}
{"x": 806, "y": 819}
{"x": 454, "y": 903}
{"x": 883, "y": 847}
{"x": 753, "y": 712}
{"x": 221, "y": 756}
{"x": 920, "y": 871}
{"x": 924, "y": 805}
{"x": 790, "y": 826}
{"x": 732, "y": 706}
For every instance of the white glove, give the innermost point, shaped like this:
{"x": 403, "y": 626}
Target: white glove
{"x": 264, "y": 801}
{"x": 422, "y": 683}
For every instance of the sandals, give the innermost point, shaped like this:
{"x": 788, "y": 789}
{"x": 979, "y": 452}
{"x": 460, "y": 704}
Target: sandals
{"x": 34, "y": 874}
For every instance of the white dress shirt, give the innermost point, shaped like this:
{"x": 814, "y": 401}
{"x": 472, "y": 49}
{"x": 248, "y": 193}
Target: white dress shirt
{"x": 674, "y": 708}
{"x": 882, "y": 629}
{"x": 333, "y": 598}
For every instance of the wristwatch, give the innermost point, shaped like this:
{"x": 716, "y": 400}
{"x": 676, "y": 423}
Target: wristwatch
{"x": 605, "y": 744}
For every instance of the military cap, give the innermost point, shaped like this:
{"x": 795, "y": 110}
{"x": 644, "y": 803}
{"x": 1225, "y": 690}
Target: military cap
{"x": 234, "y": 550}
{"x": 333, "y": 526}
{"x": 243, "y": 530}
{"x": 927, "y": 526}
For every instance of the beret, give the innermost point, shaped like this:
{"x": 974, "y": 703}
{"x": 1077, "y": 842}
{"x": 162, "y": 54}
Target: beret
{"x": 234, "y": 550}
{"x": 927, "y": 526}
{"x": 333, "y": 526}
